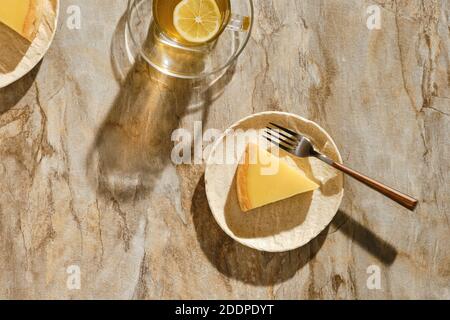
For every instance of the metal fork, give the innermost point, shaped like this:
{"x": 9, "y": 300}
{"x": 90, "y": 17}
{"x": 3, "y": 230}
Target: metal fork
{"x": 302, "y": 147}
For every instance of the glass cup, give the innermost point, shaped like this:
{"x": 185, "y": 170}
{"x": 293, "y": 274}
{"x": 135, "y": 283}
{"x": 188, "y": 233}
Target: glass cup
{"x": 188, "y": 61}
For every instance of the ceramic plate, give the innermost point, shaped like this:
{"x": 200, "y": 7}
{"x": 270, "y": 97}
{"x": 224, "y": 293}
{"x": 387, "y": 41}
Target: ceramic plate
{"x": 288, "y": 224}
{"x": 38, "y": 47}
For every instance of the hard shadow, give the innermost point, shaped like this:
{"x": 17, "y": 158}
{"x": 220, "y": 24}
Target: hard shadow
{"x": 265, "y": 221}
{"x": 366, "y": 239}
{"x": 133, "y": 145}
{"x": 242, "y": 263}
{"x": 12, "y": 50}
{"x": 12, "y": 94}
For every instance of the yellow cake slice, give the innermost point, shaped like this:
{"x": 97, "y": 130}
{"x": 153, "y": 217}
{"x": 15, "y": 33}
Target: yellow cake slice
{"x": 263, "y": 178}
{"x": 22, "y": 16}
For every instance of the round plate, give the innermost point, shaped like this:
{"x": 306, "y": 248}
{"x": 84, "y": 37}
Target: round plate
{"x": 285, "y": 225}
{"x": 38, "y": 47}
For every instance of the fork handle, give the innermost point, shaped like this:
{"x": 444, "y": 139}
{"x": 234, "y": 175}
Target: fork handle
{"x": 399, "y": 197}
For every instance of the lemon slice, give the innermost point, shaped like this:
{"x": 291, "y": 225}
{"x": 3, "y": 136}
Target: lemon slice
{"x": 197, "y": 21}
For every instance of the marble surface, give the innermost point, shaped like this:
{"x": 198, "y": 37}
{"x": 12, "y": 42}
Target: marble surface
{"x": 86, "y": 178}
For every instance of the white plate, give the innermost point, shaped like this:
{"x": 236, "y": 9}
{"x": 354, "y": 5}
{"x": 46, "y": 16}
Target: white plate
{"x": 38, "y": 47}
{"x": 285, "y": 225}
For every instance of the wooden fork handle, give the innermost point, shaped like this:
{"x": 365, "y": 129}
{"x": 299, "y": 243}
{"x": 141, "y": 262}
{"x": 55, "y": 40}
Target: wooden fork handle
{"x": 401, "y": 198}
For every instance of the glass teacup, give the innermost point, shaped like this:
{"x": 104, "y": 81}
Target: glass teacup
{"x": 150, "y": 32}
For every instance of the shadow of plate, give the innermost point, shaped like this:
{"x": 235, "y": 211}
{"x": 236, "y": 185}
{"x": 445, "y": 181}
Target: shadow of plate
{"x": 240, "y": 262}
{"x": 266, "y": 221}
{"x": 12, "y": 94}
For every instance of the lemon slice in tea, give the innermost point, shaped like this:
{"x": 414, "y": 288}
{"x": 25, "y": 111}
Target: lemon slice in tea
{"x": 197, "y": 21}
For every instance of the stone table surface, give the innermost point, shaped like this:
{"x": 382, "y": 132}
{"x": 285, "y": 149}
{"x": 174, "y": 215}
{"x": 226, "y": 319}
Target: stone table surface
{"x": 87, "y": 186}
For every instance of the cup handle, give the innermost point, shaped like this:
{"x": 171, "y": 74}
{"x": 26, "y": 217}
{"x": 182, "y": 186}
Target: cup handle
{"x": 239, "y": 23}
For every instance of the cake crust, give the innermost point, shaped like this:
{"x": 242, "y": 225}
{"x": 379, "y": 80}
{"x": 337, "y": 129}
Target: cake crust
{"x": 32, "y": 20}
{"x": 241, "y": 182}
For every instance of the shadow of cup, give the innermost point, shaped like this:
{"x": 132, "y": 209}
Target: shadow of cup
{"x": 134, "y": 143}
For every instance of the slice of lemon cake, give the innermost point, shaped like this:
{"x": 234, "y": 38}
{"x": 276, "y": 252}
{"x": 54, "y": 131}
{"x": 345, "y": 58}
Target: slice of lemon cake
{"x": 22, "y": 16}
{"x": 257, "y": 186}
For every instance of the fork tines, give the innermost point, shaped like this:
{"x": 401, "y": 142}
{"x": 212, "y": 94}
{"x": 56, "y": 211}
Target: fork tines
{"x": 292, "y": 133}
{"x": 282, "y": 137}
